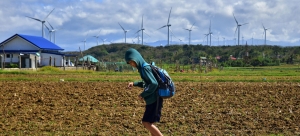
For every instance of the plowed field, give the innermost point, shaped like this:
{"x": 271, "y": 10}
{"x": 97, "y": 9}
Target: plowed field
{"x": 109, "y": 108}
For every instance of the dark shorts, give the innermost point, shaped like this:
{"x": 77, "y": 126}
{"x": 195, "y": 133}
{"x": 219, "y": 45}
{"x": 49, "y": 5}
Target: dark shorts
{"x": 152, "y": 114}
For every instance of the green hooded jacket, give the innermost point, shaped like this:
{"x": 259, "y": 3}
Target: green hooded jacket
{"x": 149, "y": 82}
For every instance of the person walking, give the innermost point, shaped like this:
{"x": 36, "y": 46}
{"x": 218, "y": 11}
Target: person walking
{"x": 154, "y": 103}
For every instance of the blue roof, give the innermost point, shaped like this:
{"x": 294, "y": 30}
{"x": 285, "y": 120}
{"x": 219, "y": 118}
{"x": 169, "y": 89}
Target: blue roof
{"x": 39, "y": 42}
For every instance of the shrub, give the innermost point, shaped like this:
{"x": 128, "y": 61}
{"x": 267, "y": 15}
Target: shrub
{"x": 49, "y": 69}
{"x": 12, "y": 65}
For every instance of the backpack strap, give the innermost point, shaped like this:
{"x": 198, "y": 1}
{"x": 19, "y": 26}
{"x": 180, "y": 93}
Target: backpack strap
{"x": 144, "y": 65}
{"x": 160, "y": 78}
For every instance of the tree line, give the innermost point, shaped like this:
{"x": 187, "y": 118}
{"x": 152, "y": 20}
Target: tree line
{"x": 235, "y": 56}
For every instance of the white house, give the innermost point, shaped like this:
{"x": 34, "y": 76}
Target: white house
{"x": 33, "y": 51}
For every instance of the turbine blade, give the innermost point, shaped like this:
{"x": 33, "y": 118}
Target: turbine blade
{"x": 48, "y": 14}
{"x": 142, "y": 21}
{"x": 99, "y": 33}
{"x": 50, "y": 25}
{"x": 58, "y": 29}
{"x": 86, "y": 37}
{"x": 34, "y": 19}
{"x": 235, "y": 30}
{"x": 162, "y": 27}
{"x": 209, "y": 26}
{"x": 192, "y": 26}
{"x": 147, "y": 34}
{"x": 169, "y": 16}
{"x": 244, "y": 24}
{"x": 137, "y": 31}
{"x": 235, "y": 19}
{"x": 47, "y": 27}
{"x": 121, "y": 27}
{"x": 263, "y": 25}
{"x": 173, "y": 33}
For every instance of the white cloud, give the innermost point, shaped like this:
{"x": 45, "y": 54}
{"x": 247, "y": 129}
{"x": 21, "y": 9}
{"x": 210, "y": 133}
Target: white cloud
{"x": 78, "y": 18}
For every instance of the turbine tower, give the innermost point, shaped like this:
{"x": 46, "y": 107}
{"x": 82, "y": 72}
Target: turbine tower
{"x": 97, "y": 36}
{"x": 84, "y": 41}
{"x": 103, "y": 40}
{"x": 125, "y": 31}
{"x": 189, "y": 33}
{"x": 265, "y": 32}
{"x": 142, "y": 29}
{"x": 206, "y": 35}
{"x": 42, "y": 21}
{"x": 52, "y": 30}
{"x": 210, "y": 32}
{"x": 238, "y": 28}
{"x": 167, "y": 25}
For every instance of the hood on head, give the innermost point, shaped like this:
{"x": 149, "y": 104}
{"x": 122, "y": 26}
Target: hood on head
{"x": 133, "y": 54}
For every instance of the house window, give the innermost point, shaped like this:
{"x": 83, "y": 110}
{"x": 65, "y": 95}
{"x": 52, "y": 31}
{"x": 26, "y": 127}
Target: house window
{"x": 9, "y": 55}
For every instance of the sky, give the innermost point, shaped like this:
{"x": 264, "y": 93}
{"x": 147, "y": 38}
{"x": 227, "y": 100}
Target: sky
{"x": 76, "y": 21}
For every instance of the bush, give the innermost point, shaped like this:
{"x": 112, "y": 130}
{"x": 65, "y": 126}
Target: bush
{"x": 49, "y": 69}
{"x": 11, "y": 65}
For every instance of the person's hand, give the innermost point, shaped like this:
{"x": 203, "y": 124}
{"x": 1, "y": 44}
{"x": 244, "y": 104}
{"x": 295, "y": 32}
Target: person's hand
{"x": 130, "y": 85}
{"x": 140, "y": 97}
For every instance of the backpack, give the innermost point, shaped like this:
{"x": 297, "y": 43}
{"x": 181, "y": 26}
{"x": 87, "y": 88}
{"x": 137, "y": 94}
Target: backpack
{"x": 166, "y": 87}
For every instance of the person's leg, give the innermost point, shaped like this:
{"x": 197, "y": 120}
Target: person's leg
{"x": 152, "y": 114}
{"x": 152, "y": 128}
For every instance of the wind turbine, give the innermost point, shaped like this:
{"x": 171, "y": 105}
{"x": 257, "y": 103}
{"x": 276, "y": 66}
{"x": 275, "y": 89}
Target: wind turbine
{"x": 103, "y": 40}
{"x": 167, "y": 25}
{"x": 138, "y": 38}
{"x": 84, "y": 41}
{"x": 210, "y": 32}
{"x": 125, "y": 31}
{"x": 97, "y": 36}
{"x": 234, "y": 41}
{"x": 265, "y": 32}
{"x": 52, "y": 30}
{"x": 172, "y": 34}
{"x": 206, "y": 35}
{"x": 252, "y": 39}
{"x": 142, "y": 29}
{"x": 42, "y": 21}
{"x": 242, "y": 39}
{"x": 238, "y": 28}
{"x": 189, "y": 33}
{"x": 180, "y": 41}
{"x": 133, "y": 41}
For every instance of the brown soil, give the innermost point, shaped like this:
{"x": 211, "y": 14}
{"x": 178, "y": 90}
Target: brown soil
{"x": 108, "y": 108}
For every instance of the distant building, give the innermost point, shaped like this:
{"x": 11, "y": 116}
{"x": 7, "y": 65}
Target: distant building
{"x": 89, "y": 58}
{"x": 232, "y": 58}
{"x": 203, "y": 60}
{"x": 33, "y": 51}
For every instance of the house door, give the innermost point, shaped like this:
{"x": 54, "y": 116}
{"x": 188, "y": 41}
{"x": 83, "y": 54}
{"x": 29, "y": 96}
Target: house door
{"x": 27, "y": 63}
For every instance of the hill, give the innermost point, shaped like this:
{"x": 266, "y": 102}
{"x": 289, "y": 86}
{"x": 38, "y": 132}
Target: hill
{"x": 188, "y": 54}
